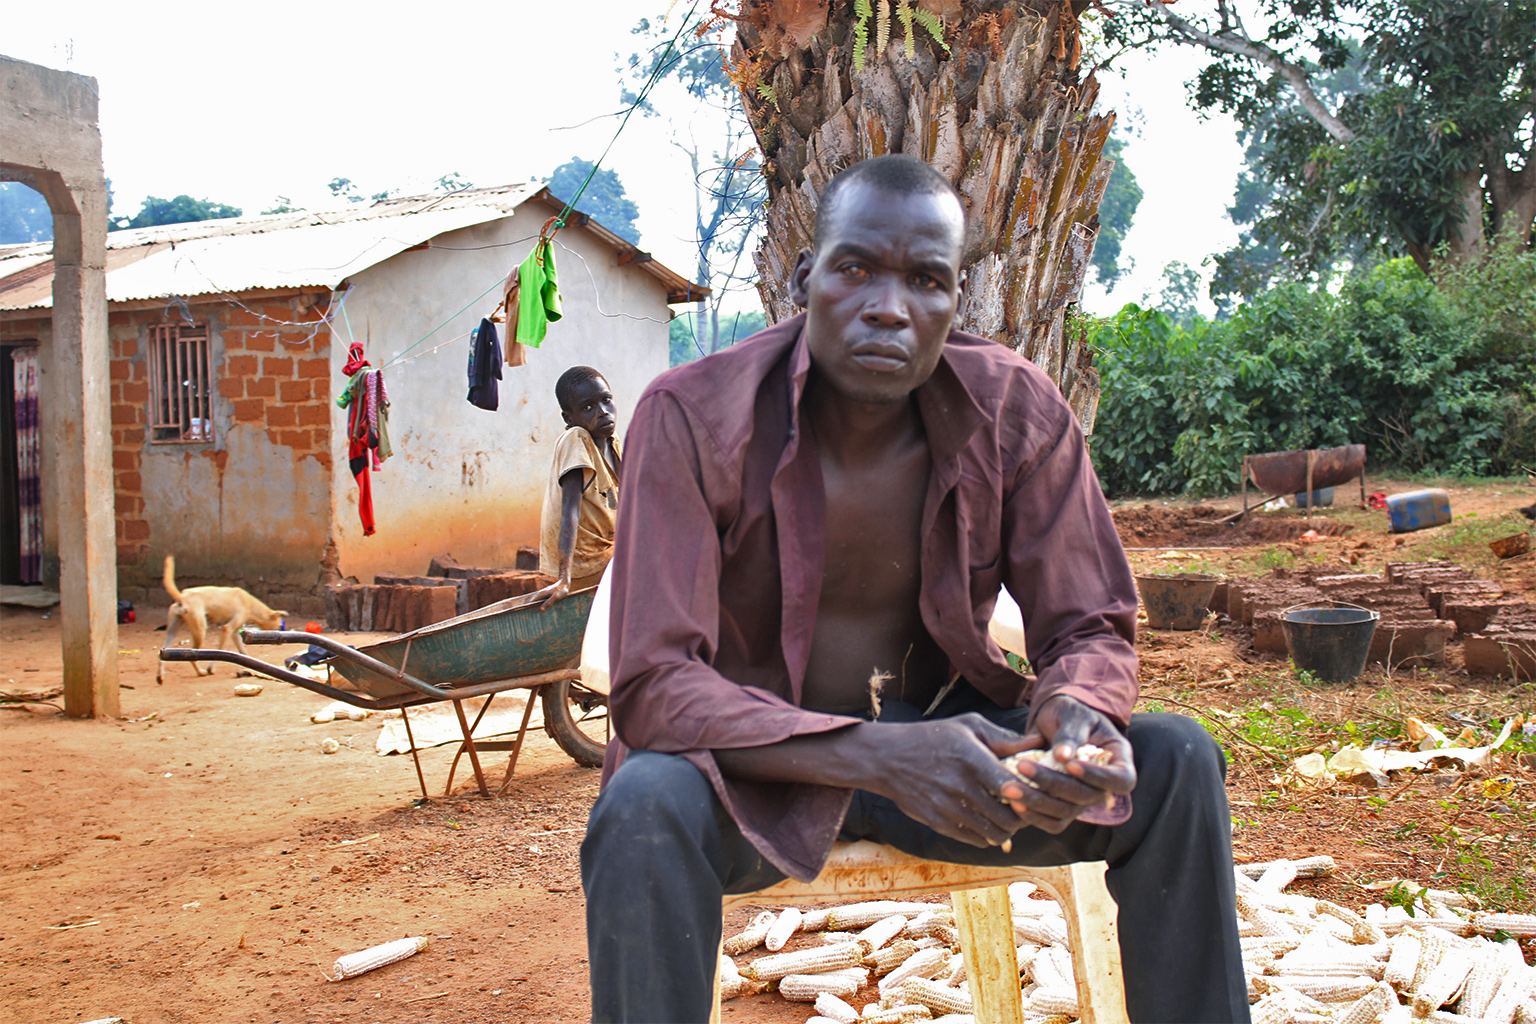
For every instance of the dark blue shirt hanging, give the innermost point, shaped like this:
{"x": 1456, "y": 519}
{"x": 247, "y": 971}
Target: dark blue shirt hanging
{"x": 484, "y": 367}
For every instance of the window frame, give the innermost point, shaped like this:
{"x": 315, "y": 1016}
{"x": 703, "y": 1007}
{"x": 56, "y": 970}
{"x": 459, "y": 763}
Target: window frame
{"x": 179, "y": 362}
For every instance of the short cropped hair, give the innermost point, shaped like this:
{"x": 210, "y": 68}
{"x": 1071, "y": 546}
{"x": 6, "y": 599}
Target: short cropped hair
{"x": 895, "y": 172}
{"x": 570, "y": 380}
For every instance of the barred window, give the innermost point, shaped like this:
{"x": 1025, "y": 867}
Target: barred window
{"x": 180, "y": 388}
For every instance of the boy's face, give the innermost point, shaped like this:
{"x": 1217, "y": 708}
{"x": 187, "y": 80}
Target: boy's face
{"x": 592, "y": 408}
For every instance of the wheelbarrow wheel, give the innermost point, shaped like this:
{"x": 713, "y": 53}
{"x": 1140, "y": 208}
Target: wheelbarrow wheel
{"x": 576, "y": 718}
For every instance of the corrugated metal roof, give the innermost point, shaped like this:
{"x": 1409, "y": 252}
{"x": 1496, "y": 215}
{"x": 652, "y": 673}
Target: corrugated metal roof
{"x": 287, "y": 250}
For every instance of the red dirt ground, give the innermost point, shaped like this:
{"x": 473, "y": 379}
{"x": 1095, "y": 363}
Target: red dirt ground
{"x": 214, "y": 862}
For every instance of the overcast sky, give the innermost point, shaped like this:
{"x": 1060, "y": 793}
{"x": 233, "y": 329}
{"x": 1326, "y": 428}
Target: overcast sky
{"x": 243, "y": 104}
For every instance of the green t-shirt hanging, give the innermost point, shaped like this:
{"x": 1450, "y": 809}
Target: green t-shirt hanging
{"x": 539, "y": 294}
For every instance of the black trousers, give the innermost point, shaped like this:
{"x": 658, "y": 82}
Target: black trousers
{"x": 660, "y": 852}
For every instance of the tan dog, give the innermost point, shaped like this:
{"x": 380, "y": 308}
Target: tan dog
{"x": 223, "y": 608}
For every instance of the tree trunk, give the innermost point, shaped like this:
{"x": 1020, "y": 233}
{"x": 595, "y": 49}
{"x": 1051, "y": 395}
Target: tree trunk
{"x": 1003, "y": 114}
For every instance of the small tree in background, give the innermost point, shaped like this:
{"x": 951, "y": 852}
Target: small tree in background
{"x": 181, "y": 210}
{"x": 604, "y": 197}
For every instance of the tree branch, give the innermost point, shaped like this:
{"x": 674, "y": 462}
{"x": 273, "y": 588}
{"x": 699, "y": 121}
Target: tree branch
{"x": 1230, "y": 40}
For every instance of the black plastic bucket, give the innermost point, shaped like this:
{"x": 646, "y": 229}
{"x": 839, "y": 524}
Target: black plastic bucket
{"x": 1330, "y": 642}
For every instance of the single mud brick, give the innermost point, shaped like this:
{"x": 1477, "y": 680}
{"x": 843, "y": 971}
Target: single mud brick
{"x": 1472, "y": 615}
{"x": 384, "y": 608}
{"x": 1218, "y": 602}
{"x": 1410, "y": 644}
{"x": 1268, "y": 633}
{"x": 339, "y": 606}
{"x": 414, "y": 607}
{"x": 441, "y": 603}
{"x": 1437, "y": 593}
{"x": 484, "y": 590}
{"x": 442, "y": 564}
{"x": 527, "y": 559}
{"x": 365, "y": 597}
{"x": 1511, "y": 655}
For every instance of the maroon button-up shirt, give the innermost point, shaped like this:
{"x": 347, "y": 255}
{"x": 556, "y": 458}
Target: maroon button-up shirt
{"x": 717, "y": 565}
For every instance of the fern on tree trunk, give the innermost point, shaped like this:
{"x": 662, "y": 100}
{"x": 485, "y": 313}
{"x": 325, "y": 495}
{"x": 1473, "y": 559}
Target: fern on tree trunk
{"x": 989, "y": 93}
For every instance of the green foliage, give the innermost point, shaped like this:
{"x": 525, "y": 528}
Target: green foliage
{"x": 1116, "y": 211}
{"x": 282, "y": 204}
{"x": 24, "y": 214}
{"x": 1418, "y": 137}
{"x": 691, "y": 334}
{"x": 181, "y": 210}
{"x": 1432, "y": 379}
{"x": 604, "y": 197}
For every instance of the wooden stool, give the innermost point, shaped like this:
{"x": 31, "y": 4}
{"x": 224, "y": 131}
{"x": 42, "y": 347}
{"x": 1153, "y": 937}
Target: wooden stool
{"x": 984, "y": 919}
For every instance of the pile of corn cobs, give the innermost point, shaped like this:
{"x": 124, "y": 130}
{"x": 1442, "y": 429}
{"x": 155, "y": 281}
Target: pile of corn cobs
{"x": 1308, "y": 961}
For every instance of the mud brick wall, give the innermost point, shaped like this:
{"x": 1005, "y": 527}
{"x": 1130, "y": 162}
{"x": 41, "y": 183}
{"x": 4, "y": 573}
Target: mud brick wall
{"x": 269, "y": 371}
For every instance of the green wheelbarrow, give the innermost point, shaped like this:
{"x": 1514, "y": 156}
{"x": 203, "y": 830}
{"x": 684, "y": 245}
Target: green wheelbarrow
{"x": 510, "y": 645}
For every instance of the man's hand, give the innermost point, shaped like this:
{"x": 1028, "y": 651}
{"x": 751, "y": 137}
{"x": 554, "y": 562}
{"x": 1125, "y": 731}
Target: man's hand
{"x": 1062, "y": 725}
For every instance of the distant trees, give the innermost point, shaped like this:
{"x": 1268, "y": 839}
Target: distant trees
{"x": 604, "y": 197}
{"x": 1432, "y": 153}
{"x": 181, "y": 210}
{"x": 1116, "y": 211}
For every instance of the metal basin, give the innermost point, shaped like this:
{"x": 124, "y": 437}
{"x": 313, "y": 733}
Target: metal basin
{"x": 1286, "y": 472}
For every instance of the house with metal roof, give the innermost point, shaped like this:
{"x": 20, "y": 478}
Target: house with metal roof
{"x": 228, "y": 340}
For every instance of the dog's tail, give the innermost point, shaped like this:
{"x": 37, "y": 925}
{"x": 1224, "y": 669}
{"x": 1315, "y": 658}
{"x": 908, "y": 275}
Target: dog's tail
{"x": 170, "y": 578}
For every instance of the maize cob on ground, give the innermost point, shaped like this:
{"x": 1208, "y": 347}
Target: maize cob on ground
{"x": 363, "y": 961}
{"x": 804, "y": 988}
{"x": 816, "y": 960}
{"x": 819, "y": 1019}
{"x": 884, "y": 961}
{"x": 883, "y": 930}
{"x": 836, "y": 1009}
{"x": 1403, "y": 960}
{"x": 1370, "y": 1008}
{"x": 1053, "y": 1000}
{"x": 784, "y": 926}
{"x": 1306, "y": 867}
{"x": 936, "y": 996}
{"x": 925, "y": 963}
{"x": 896, "y": 1014}
{"x": 1489, "y": 966}
{"x": 1520, "y": 926}
{"x": 752, "y": 936}
{"x": 862, "y": 915}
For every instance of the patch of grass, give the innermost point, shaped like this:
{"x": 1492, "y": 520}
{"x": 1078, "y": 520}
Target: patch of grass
{"x": 1465, "y": 539}
{"x": 1275, "y": 557}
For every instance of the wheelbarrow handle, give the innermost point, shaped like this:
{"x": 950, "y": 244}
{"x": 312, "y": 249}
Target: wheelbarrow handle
{"x": 340, "y": 650}
{"x": 274, "y": 672}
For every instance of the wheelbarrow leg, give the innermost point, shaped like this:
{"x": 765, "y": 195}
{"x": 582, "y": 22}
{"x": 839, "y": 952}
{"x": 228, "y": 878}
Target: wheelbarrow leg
{"x": 517, "y": 748}
{"x": 405, "y": 716}
{"x": 469, "y": 745}
{"x": 454, "y": 767}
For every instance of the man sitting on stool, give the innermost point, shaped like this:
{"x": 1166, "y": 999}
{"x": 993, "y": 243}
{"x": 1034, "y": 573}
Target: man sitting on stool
{"x": 815, "y": 526}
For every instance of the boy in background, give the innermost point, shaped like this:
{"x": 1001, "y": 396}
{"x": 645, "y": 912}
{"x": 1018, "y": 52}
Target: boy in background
{"x": 582, "y": 499}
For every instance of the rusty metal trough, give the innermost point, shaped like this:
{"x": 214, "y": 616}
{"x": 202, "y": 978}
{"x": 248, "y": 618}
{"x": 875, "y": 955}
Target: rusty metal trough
{"x": 1304, "y": 471}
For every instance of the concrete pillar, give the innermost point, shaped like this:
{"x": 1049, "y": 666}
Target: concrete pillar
{"x": 49, "y": 137}
{"x": 82, "y": 404}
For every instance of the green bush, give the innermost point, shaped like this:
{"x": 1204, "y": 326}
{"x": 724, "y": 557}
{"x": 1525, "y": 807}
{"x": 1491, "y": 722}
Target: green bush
{"x": 1430, "y": 377}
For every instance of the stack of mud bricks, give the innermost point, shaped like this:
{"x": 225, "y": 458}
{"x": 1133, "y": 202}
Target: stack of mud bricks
{"x": 1498, "y": 632}
{"x": 399, "y": 604}
{"x": 1410, "y": 633}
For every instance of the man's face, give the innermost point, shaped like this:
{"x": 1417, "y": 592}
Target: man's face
{"x": 592, "y": 408}
{"x": 882, "y": 290}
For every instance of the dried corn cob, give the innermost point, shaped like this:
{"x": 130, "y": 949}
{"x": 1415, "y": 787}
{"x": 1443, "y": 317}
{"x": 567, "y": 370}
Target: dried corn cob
{"x": 804, "y": 988}
{"x": 1306, "y": 867}
{"x": 1278, "y": 875}
{"x": 862, "y": 915}
{"x": 1521, "y": 926}
{"x": 1053, "y": 1000}
{"x": 753, "y": 936}
{"x": 1047, "y": 972}
{"x": 1326, "y": 989}
{"x": 1270, "y": 1010}
{"x": 925, "y": 963}
{"x": 936, "y": 996}
{"x": 817, "y": 959}
{"x": 730, "y": 988}
{"x": 1525, "y": 1013}
{"x": 1028, "y": 907}
{"x": 883, "y": 930}
{"x": 1518, "y": 984}
{"x": 1291, "y": 997}
{"x": 1344, "y": 968}
{"x": 353, "y": 964}
{"x": 1370, "y": 1008}
{"x": 1362, "y": 930}
{"x": 1047, "y": 931}
{"x": 838, "y": 936}
{"x": 830, "y": 1006}
{"x": 785, "y": 925}
{"x": 1403, "y": 961}
{"x": 1432, "y": 951}
{"x": 954, "y": 971}
{"x": 904, "y": 1014}
{"x": 1489, "y": 966}
{"x": 884, "y": 961}
{"x": 967, "y": 1018}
